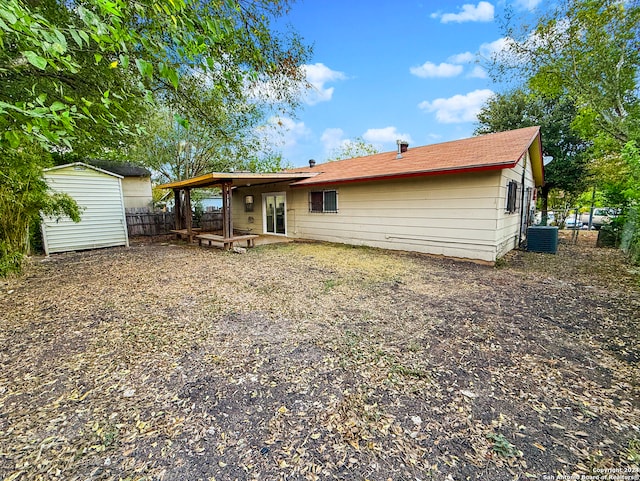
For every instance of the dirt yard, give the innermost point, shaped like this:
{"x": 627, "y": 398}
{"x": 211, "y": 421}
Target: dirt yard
{"x": 315, "y": 361}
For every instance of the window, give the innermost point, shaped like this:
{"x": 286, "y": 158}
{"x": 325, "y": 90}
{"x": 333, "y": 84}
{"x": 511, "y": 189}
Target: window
{"x": 513, "y": 198}
{"x": 323, "y": 201}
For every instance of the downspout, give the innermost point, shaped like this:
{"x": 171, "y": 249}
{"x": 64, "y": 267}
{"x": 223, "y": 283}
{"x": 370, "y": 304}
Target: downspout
{"x": 524, "y": 170}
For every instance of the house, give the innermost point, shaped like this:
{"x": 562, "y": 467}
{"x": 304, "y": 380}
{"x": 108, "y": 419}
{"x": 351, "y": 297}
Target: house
{"x": 99, "y": 195}
{"x": 470, "y": 198}
{"x": 136, "y": 181}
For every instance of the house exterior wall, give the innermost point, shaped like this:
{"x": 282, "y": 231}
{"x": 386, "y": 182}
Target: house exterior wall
{"x": 103, "y": 222}
{"x": 136, "y": 192}
{"x": 509, "y": 224}
{"x": 454, "y": 215}
{"x": 253, "y": 221}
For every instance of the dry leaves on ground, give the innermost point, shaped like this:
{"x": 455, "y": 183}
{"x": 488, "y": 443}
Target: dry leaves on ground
{"x": 316, "y": 361}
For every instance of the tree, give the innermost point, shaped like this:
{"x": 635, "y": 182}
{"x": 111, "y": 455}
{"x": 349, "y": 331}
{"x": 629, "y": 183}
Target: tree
{"x": 518, "y": 108}
{"x": 589, "y": 51}
{"x": 174, "y": 152}
{"x": 149, "y": 45}
{"x": 78, "y": 76}
{"x": 350, "y": 149}
{"x": 23, "y": 197}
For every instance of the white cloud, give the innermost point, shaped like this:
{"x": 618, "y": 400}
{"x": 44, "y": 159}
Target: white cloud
{"x": 318, "y": 75}
{"x": 497, "y": 47}
{"x": 483, "y": 12}
{"x": 332, "y": 139}
{"x": 477, "y": 72}
{"x": 466, "y": 57}
{"x": 429, "y": 69}
{"x": 459, "y": 108}
{"x": 527, "y": 4}
{"x": 511, "y": 52}
{"x": 285, "y": 131}
{"x": 385, "y": 135}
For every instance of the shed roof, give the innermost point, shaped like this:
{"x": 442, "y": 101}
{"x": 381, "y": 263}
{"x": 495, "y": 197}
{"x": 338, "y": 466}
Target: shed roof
{"x": 125, "y": 169}
{"x": 82, "y": 166}
{"x": 485, "y": 152}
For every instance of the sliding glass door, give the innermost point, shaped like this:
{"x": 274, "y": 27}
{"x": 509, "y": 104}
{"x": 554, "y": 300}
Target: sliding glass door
{"x": 275, "y": 213}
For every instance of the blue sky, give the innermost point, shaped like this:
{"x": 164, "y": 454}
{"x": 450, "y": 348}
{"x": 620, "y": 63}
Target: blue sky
{"x": 384, "y": 70}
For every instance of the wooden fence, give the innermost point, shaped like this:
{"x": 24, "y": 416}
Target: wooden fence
{"x": 145, "y": 222}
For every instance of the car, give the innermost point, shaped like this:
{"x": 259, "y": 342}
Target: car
{"x": 570, "y": 222}
{"x": 601, "y": 216}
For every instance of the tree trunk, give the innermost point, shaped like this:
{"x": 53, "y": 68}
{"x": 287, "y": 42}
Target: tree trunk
{"x": 544, "y": 203}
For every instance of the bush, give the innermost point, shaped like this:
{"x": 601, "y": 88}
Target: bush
{"x": 610, "y": 235}
{"x": 630, "y": 235}
{"x": 24, "y": 194}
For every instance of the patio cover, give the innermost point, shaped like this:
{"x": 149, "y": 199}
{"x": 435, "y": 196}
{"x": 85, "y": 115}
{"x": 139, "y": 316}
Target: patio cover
{"x": 226, "y": 181}
{"x": 236, "y": 179}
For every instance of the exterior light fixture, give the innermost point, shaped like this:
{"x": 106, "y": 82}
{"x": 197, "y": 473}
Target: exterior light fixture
{"x": 248, "y": 203}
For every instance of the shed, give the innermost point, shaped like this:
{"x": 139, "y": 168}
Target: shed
{"x": 99, "y": 195}
{"x": 136, "y": 181}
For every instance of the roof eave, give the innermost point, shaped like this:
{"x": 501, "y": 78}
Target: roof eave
{"x": 218, "y": 178}
{"x": 405, "y": 175}
{"x": 537, "y": 166}
{"x": 82, "y": 164}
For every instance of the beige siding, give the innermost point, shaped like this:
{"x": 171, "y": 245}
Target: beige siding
{"x": 103, "y": 221}
{"x": 250, "y": 221}
{"x": 136, "y": 192}
{"x": 448, "y": 215}
{"x": 508, "y": 229}
{"x": 460, "y": 215}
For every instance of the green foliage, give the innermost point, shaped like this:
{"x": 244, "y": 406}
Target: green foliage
{"x": 174, "y": 152}
{"x": 69, "y": 68}
{"x": 55, "y": 91}
{"x": 502, "y": 447}
{"x": 80, "y": 78}
{"x": 620, "y": 186}
{"x": 23, "y": 196}
{"x": 267, "y": 162}
{"x": 519, "y": 108}
{"x": 588, "y": 50}
{"x": 632, "y": 452}
{"x": 350, "y": 149}
{"x": 567, "y": 172}
{"x": 511, "y": 110}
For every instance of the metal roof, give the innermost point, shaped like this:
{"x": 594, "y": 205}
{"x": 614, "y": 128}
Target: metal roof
{"x": 237, "y": 179}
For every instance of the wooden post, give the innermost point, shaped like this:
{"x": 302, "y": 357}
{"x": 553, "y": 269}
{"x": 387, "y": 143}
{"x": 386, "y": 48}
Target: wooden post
{"x": 188, "y": 217}
{"x": 227, "y": 221}
{"x": 177, "y": 209}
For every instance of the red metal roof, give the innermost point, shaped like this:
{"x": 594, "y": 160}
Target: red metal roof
{"x": 485, "y": 152}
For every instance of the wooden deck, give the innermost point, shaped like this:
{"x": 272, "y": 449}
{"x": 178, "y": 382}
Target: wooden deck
{"x": 184, "y": 233}
{"x": 227, "y": 242}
